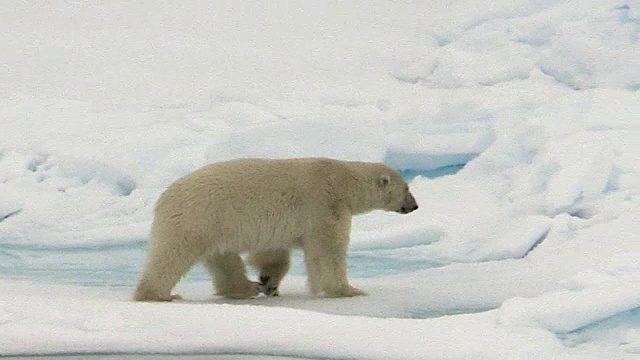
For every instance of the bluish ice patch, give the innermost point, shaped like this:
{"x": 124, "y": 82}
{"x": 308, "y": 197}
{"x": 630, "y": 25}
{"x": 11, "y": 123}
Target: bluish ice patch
{"x": 430, "y": 314}
{"x": 428, "y": 165}
{"x": 613, "y": 327}
{"x": 367, "y": 266}
{"x": 409, "y": 174}
{"x": 119, "y": 265}
{"x": 93, "y": 265}
{"x": 370, "y": 266}
{"x": 625, "y": 16}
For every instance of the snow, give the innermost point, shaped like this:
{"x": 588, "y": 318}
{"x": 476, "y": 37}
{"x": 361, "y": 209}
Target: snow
{"x": 516, "y": 124}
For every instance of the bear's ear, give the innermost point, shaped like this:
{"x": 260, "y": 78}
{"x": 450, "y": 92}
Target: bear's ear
{"x": 384, "y": 180}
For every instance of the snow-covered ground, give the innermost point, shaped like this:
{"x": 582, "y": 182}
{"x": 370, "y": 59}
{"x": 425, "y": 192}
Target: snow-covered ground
{"x": 530, "y": 250}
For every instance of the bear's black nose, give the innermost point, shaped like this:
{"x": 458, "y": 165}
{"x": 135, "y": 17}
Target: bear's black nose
{"x": 408, "y": 209}
{"x": 408, "y": 205}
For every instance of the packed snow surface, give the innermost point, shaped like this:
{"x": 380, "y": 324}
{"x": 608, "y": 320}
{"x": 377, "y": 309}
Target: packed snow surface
{"x": 517, "y": 124}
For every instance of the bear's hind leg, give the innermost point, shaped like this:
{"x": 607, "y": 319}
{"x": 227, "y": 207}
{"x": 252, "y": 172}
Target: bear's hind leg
{"x": 272, "y": 266}
{"x": 229, "y": 276}
{"x": 164, "y": 267}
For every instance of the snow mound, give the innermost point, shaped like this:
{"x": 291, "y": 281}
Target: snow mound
{"x": 352, "y": 135}
{"x": 591, "y": 296}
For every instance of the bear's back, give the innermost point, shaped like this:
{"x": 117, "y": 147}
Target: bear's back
{"x": 259, "y": 177}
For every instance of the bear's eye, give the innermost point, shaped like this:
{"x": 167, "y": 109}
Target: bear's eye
{"x": 384, "y": 180}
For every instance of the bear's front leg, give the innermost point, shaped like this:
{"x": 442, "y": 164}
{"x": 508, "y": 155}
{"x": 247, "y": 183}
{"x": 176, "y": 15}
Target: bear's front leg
{"x": 325, "y": 257}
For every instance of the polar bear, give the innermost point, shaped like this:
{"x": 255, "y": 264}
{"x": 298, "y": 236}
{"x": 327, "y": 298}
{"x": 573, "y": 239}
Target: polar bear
{"x": 265, "y": 207}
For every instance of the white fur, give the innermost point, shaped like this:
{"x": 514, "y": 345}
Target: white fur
{"x": 265, "y": 207}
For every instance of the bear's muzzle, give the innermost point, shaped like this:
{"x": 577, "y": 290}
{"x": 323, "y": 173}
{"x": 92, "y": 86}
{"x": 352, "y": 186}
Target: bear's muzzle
{"x": 408, "y": 205}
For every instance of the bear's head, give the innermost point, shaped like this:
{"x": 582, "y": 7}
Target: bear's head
{"x": 395, "y": 193}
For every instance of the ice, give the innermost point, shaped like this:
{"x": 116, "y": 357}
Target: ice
{"x": 576, "y": 57}
{"x": 584, "y": 166}
{"x": 515, "y": 123}
{"x": 631, "y": 342}
{"x": 439, "y": 136}
{"x": 355, "y": 134}
{"x": 567, "y": 311}
{"x": 79, "y": 326}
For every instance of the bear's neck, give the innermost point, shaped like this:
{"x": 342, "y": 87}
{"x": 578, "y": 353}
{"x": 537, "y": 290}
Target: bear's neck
{"x": 360, "y": 193}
